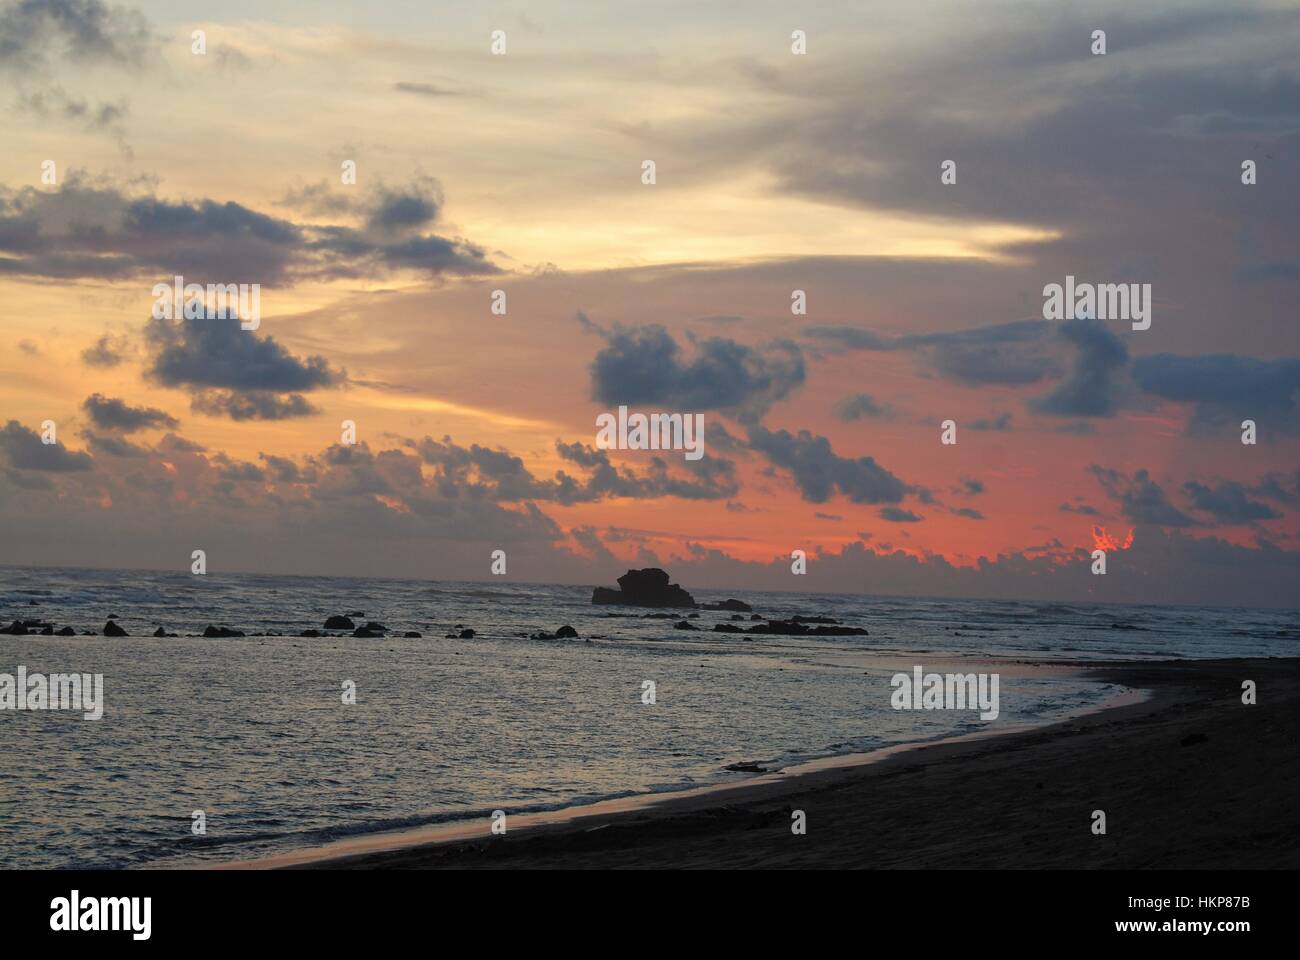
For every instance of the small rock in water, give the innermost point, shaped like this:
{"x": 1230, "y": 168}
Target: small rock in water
{"x": 65, "y": 632}
{"x": 310, "y": 633}
{"x": 366, "y": 633}
{"x": 221, "y": 632}
{"x": 467, "y": 634}
{"x": 111, "y": 629}
{"x": 339, "y": 623}
{"x": 565, "y": 631}
{"x": 412, "y": 635}
{"x": 684, "y": 625}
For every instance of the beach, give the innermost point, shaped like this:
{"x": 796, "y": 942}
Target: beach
{"x": 1189, "y": 777}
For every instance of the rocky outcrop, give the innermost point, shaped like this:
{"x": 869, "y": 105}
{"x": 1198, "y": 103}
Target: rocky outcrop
{"x": 644, "y": 588}
{"x": 796, "y": 628}
{"x": 731, "y": 603}
{"x": 566, "y": 632}
{"x": 111, "y": 629}
{"x": 221, "y": 632}
{"x": 338, "y": 622}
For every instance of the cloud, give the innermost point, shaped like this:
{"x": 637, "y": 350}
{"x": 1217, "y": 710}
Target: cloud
{"x": 643, "y": 366}
{"x": 1091, "y": 388}
{"x": 109, "y": 413}
{"x": 969, "y": 513}
{"x": 1010, "y": 354}
{"x": 1228, "y": 502}
{"x": 1001, "y": 422}
{"x": 899, "y": 515}
{"x": 250, "y": 405}
{"x": 215, "y": 352}
{"x": 861, "y": 405}
{"x": 1081, "y": 508}
{"x": 25, "y": 451}
{"x": 105, "y": 353}
{"x": 33, "y": 33}
{"x": 102, "y": 231}
{"x": 1226, "y": 388}
{"x": 1141, "y": 499}
{"x": 819, "y": 472}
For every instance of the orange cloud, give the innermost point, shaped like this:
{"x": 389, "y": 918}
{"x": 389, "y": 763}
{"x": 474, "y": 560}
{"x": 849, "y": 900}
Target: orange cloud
{"x": 1101, "y": 540}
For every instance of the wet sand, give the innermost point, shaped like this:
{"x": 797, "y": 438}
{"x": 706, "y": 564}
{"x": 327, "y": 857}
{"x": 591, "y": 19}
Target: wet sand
{"x": 1189, "y": 778}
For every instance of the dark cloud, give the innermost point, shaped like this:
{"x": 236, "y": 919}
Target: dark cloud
{"x": 35, "y": 33}
{"x": 213, "y": 352}
{"x": 403, "y": 209}
{"x": 819, "y": 472}
{"x": 110, "y": 413}
{"x": 1081, "y": 508}
{"x": 1228, "y": 502}
{"x": 98, "y": 230}
{"x": 1010, "y": 354}
{"x": 861, "y": 405}
{"x": 1226, "y": 388}
{"x": 969, "y": 513}
{"x": 643, "y": 366}
{"x": 1092, "y": 386}
{"x": 1141, "y": 499}
{"x": 251, "y": 405}
{"x": 899, "y": 515}
{"x": 25, "y": 451}
{"x": 105, "y": 353}
{"x": 114, "y": 446}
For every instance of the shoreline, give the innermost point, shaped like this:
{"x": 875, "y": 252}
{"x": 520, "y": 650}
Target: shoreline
{"x": 721, "y": 820}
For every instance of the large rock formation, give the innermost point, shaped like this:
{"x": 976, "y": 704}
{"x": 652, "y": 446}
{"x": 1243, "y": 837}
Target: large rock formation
{"x": 644, "y": 588}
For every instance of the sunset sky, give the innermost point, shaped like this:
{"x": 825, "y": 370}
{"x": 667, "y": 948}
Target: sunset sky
{"x": 774, "y": 172}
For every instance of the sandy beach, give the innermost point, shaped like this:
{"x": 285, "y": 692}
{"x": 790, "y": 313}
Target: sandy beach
{"x": 1190, "y": 777}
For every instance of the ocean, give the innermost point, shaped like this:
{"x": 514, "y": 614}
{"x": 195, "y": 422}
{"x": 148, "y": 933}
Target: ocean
{"x": 254, "y": 731}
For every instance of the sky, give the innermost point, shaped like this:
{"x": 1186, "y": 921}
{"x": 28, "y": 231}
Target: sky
{"x": 774, "y": 171}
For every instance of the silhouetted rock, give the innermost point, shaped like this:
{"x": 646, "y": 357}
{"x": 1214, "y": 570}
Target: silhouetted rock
{"x": 814, "y": 620}
{"x": 375, "y": 626}
{"x": 412, "y": 635}
{"x": 339, "y": 623}
{"x": 684, "y": 625}
{"x": 644, "y": 588}
{"x": 356, "y": 613}
{"x": 726, "y": 628}
{"x": 467, "y": 634}
{"x": 365, "y": 633}
{"x": 310, "y": 633}
{"x": 566, "y": 631}
{"x": 47, "y": 632}
{"x": 729, "y": 604}
{"x": 65, "y": 632}
{"x": 221, "y": 632}
{"x": 793, "y": 628}
{"x": 111, "y": 629}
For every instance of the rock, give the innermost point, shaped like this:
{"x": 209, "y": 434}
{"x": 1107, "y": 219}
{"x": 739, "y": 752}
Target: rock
{"x": 814, "y": 620}
{"x": 114, "y": 616}
{"x": 684, "y": 625}
{"x": 737, "y": 616}
{"x": 726, "y": 628}
{"x": 220, "y": 632}
{"x": 746, "y": 768}
{"x": 566, "y": 631}
{"x": 644, "y": 588}
{"x": 160, "y": 632}
{"x": 542, "y": 636}
{"x": 376, "y": 626}
{"x": 47, "y": 632}
{"x": 694, "y": 616}
{"x": 356, "y": 613}
{"x": 310, "y": 633}
{"x": 729, "y": 604}
{"x": 15, "y": 629}
{"x": 339, "y": 623}
{"x": 111, "y": 629}
{"x": 65, "y": 632}
{"x": 467, "y": 634}
{"x": 412, "y": 635}
{"x": 793, "y": 628}
{"x": 365, "y": 633}
{"x": 756, "y": 617}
